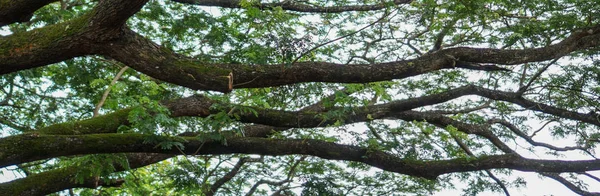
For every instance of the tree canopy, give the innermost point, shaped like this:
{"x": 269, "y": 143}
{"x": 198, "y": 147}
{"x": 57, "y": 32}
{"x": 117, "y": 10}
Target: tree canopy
{"x": 315, "y": 97}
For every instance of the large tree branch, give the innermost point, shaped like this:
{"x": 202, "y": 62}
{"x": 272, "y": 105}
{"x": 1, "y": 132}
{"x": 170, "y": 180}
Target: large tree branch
{"x": 578, "y": 40}
{"x": 295, "y": 6}
{"x": 201, "y": 106}
{"x": 112, "y": 14}
{"x": 517, "y": 99}
{"x": 25, "y": 148}
{"x": 61, "y": 179}
{"x": 20, "y": 10}
{"x": 159, "y": 62}
{"x": 63, "y": 41}
{"x": 149, "y": 58}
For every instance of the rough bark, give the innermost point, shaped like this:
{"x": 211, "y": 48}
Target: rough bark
{"x": 36, "y": 147}
{"x": 295, "y": 6}
{"x": 102, "y": 31}
{"x": 126, "y": 46}
{"x": 61, "y": 179}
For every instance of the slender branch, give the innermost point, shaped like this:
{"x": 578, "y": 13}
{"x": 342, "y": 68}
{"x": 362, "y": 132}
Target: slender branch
{"x": 227, "y": 177}
{"x": 542, "y": 127}
{"x": 261, "y": 182}
{"x": 535, "y": 76}
{"x": 5, "y": 121}
{"x": 590, "y": 176}
{"x": 292, "y": 169}
{"x": 107, "y": 91}
{"x": 468, "y": 151}
{"x": 569, "y": 185}
{"x": 530, "y": 140}
{"x": 341, "y": 37}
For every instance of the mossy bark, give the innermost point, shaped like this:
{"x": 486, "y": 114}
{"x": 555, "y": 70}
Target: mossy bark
{"x": 25, "y": 148}
{"x": 65, "y": 178}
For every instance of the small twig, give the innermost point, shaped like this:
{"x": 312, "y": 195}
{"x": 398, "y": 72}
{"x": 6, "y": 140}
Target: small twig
{"x": 530, "y": 140}
{"x": 339, "y": 38}
{"x": 543, "y": 126}
{"x": 465, "y": 148}
{"x": 538, "y": 74}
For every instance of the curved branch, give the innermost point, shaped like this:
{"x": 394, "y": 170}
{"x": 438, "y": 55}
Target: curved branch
{"x": 147, "y": 57}
{"x": 444, "y": 121}
{"x": 468, "y": 151}
{"x": 578, "y": 40}
{"x": 295, "y": 6}
{"x": 530, "y": 140}
{"x": 569, "y": 185}
{"x": 515, "y": 98}
{"x": 19, "y": 149}
{"x": 385, "y": 15}
{"x": 63, "y": 41}
{"x": 260, "y": 182}
{"x": 227, "y": 177}
{"x": 112, "y": 14}
{"x": 61, "y": 179}
{"x": 20, "y": 10}
{"x": 201, "y": 107}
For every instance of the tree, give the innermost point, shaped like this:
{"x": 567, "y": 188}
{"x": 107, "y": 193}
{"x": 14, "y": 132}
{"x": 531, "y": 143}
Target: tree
{"x": 232, "y": 97}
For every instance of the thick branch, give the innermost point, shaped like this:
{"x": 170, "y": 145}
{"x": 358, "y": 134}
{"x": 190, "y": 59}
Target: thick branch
{"x": 112, "y": 14}
{"x": 25, "y": 148}
{"x": 149, "y": 58}
{"x": 201, "y": 106}
{"x": 19, "y": 10}
{"x": 61, "y": 179}
{"x": 535, "y": 106}
{"x": 63, "y": 41}
{"x": 161, "y": 63}
{"x": 578, "y": 40}
{"x": 295, "y": 6}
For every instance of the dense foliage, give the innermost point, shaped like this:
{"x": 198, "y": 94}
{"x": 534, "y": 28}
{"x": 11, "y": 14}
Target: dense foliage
{"x": 317, "y": 97}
